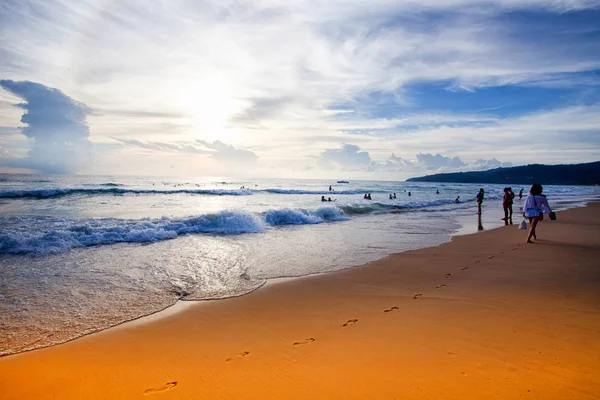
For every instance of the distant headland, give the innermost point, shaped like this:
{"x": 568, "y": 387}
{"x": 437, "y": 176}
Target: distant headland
{"x": 566, "y": 174}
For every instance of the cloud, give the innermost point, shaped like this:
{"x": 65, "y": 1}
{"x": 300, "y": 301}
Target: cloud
{"x": 56, "y": 126}
{"x": 227, "y": 153}
{"x": 274, "y": 74}
{"x": 217, "y": 150}
{"x": 348, "y": 157}
{"x": 184, "y": 148}
{"x": 351, "y": 158}
{"x": 4, "y": 153}
{"x": 429, "y": 161}
{"x": 490, "y": 164}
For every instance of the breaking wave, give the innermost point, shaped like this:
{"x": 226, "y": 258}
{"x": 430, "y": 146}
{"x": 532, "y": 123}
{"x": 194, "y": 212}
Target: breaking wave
{"x": 42, "y": 236}
{"x": 52, "y": 193}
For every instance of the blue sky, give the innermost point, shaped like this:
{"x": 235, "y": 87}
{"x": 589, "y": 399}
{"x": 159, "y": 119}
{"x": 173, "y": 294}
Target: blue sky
{"x": 307, "y": 88}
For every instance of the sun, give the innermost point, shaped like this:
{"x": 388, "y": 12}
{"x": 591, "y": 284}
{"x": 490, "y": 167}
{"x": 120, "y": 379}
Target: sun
{"x": 209, "y": 104}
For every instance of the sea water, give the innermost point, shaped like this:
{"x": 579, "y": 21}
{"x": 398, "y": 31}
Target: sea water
{"x": 82, "y": 253}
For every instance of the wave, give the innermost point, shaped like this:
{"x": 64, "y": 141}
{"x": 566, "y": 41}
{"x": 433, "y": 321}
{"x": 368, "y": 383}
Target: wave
{"x": 299, "y": 217}
{"x": 109, "y": 184}
{"x": 321, "y": 192}
{"x": 376, "y": 207}
{"x": 53, "y": 193}
{"x": 42, "y": 236}
{"x": 114, "y": 189}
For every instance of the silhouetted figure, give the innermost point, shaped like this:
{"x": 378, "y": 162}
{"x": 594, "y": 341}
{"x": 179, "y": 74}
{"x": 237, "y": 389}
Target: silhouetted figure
{"x": 437, "y": 192}
{"x": 520, "y": 194}
{"x": 368, "y": 196}
{"x": 394, "y": 196}
{"x": 457, "y": 200}
{"x": 323, "y": 198}
{"x": 391, "y": 196}
{"x": 507, "y": 202}
{"x": 479, "y": 200}
{"x": 409, "y": 194}
{"x": 330, "y": 188}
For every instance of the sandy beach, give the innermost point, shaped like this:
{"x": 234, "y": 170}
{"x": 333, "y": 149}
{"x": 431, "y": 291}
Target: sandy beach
{"x": 486, "y": 316}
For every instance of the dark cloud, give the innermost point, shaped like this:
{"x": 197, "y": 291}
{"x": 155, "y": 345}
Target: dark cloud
{"x": 56, "y": 125}
{"x": 229, "y": 154}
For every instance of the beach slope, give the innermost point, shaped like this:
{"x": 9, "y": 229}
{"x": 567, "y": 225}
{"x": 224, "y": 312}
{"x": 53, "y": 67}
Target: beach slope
{"x": 483, "y": 317}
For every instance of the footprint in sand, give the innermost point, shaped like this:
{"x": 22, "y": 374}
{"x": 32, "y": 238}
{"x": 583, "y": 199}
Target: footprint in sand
{"x": 350, "y": 322}
{"x": 441, "y": 286}
{"x": 416, "y": 296}
{"x": 305, "y": 341}
{"x": 490, "y": 257}
{"x": 477, "y": 262}
{"x": 464, "y": 268}
{"x": 448, "y": 275}
{"x": 391, "y": 309}
{"x": 241, "y": 355}
{"x": 167, "y": 386}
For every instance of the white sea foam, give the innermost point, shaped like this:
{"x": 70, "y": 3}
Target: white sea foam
{"x": 57, "y": 192}
{"x": 298, "y": 217}
{"x": 41, "y": 236}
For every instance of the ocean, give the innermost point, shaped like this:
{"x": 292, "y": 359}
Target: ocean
{"x": 79, "y": 254}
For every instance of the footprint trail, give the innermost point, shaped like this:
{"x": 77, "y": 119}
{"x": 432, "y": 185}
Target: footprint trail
{"x": 350, "y": 322}
{"x": 167, "y": 386}
{"x": 305, "y": 341}
{"x": 241, "y": 355}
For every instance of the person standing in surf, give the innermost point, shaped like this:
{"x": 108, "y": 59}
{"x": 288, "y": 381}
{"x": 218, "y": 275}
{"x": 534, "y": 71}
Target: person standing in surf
{"x": 479, "y": 200}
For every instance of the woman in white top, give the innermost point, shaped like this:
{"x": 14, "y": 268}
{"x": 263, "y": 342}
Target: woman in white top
{"x": 534, "y": 208}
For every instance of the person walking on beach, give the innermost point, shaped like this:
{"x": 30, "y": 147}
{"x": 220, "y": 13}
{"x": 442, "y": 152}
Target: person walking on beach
{"x": 479, "y": 200}
{"x": 520, "y": 194}
{"x": 534, "y": 208}
{"x": 507, "y": 202}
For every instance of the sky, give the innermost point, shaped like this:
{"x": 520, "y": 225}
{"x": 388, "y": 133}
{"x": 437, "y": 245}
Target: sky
{"x": 352, "y": 89}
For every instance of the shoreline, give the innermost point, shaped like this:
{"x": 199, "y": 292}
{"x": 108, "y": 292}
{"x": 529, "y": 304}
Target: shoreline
{"x": 467, "y": 227}
{"x": 180, "y": 305}
{"x": 484, "y": 316}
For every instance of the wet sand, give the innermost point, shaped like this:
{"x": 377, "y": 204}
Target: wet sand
{"x": 484, "y": 317}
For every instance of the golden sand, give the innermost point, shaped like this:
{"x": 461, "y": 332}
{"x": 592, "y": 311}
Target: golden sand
{"x": 484, "y": 317}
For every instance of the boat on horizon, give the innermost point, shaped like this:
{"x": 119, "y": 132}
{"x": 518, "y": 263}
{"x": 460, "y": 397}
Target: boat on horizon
{"x": 343, "y": 182}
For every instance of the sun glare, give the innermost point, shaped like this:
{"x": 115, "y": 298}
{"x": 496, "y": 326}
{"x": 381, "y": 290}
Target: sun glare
{"x": 209, "y": 104}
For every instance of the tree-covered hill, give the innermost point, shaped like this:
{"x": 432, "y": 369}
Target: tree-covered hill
{"x": 568, "y": 174}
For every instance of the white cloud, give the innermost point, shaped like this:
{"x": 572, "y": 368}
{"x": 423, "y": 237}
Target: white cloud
{"x": 349, "y": 157}
{"x": 275, "y": 75}
{"x": 4, "y": 153}
{"x": 227, "y": 153}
